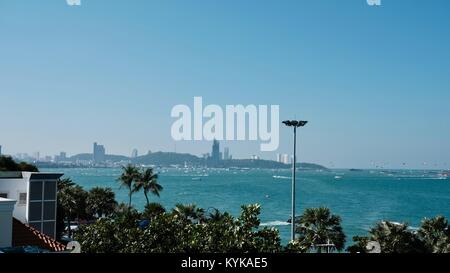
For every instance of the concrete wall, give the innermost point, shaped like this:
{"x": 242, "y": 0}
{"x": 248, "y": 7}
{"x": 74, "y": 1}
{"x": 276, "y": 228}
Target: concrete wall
{"x": 6, "y": 213}
{"x": 13, "y": 187}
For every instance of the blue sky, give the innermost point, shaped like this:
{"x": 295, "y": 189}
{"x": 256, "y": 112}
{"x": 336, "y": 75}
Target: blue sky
{"x": 373, "y": 81}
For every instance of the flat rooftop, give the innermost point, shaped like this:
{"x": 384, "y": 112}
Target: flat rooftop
{"x": 32, "y": 175}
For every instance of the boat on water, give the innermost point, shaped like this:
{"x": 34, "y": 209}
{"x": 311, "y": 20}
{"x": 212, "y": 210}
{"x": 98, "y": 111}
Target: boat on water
{"x": 338, "y": 177}
{"x": 281, "y": 177}
{"x": 196, "y": 179}
{"x": 443, "y": 175}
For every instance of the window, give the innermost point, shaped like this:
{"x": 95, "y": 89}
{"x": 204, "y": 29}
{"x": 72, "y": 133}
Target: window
{"x": 36, "y": 225}
{"x": 36, "y": 190}
{"x": 35, "y": 211}
{"x": 49, "y": 210}
{"x": 49, "y": 228}
{"x": 22, "y": 198}
{"x": 3, "y": 195}
{"x": 50, "y": 190}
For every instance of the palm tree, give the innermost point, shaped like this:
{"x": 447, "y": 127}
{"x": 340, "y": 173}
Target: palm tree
{"x": 216, "y": 215}
{"x": 126, "y": 179}
{"x": 72, "y": 200}
{"x": 152, "y": 210}
{"x": 148, "y": 182}
{"x": 63, "y": 183}
{"x": 101, "y": 202}
{"x": 435, "y": 234}
{"x": 190, "y": 212}
{"x": 320, "y": 230}
{"x": 396, "y": 238}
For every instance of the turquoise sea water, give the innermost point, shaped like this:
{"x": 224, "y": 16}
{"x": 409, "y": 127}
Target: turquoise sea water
{"x": 361, "y": 198}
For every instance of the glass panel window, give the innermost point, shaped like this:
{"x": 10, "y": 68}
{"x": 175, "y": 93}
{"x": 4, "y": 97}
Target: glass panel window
{"x": 36, "y": 225}
{"x": 35, "y": 211}
{"x": 50, "y": 190}
{"x": 49, "y": 210}
{"x": 49, "y": 228}
{"x": 36, "y": 190}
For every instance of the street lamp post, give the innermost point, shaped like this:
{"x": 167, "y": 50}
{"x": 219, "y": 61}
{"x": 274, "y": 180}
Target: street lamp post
{"x": 295, "y": 124}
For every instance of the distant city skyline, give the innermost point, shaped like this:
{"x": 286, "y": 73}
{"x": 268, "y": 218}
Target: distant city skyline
{"x": 372, "y": 81}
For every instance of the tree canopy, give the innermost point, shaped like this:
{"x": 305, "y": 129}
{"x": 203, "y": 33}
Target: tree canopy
{"x": 7, "y": 164}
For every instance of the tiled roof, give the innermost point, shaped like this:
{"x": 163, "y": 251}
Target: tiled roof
{"x": 24, "y": 235}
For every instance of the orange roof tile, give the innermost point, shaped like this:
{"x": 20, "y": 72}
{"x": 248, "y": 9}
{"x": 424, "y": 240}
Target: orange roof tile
{"x": 25, "y": 235}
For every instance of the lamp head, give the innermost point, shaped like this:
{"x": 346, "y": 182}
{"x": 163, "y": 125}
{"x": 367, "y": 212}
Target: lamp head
{"x": 295, "y": 123}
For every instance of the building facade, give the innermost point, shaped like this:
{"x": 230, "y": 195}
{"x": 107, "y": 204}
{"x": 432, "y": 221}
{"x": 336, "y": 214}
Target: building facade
{"x": 215, "y": 153}
{"x": 99, "y": 153}
{"x": 35, "y": 196}
{"x": 226, "y": 153}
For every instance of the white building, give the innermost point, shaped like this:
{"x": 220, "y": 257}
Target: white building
{"x": 134, "y": 153}
{"x": 33, "y": 196}
{"x": 278, "y": 157}
{"x": 226, "y": 153}
{"x": 285, "y": 159}
{"x": 6, "y": 224}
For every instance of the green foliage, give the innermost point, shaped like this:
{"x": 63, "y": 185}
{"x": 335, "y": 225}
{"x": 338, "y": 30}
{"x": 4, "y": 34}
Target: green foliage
{"x": 152, "y": 210}
{"x": 64, "y": 183}
{"x": 129, "y": 174}
{"x": 74, "y": 203}
{"x": 392, "y": 237}
{"x": 435, "y": 234}
{"x": 100, "y": 202}
{"x": 175, "y": 232}
{"x": 7, "y": 164}
{"x": 189, "y": 212}
{"x": 135, "y": 180}
{"x": 147, "y": 181}
{"x": 360, "y": 245}
{"x": 316, "y": 228}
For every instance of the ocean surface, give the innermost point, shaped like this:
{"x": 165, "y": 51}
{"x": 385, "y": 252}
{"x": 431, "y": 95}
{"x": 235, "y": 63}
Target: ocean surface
{"x": 361, "y": 198}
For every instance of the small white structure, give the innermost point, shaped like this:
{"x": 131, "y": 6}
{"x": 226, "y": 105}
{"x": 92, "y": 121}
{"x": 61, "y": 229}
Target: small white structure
{"x": 6, "y": 213}
{"x": 34, "y": 195}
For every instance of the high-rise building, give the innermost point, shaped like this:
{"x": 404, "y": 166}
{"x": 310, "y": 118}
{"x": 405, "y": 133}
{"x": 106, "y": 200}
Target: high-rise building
{"x": 134, "y": 153}
{"x": 215, "y": 153}
{"x": 99, "y": 153}
{"x": 0, "y": 149}
{"x": 285, "y": 158}
{"x": 61, "y": 157}
{"x": 226, "y": 153}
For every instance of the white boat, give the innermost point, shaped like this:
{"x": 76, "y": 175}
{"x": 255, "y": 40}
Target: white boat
{"x": 338, "y": 177}
{"x": 280, "y": 177}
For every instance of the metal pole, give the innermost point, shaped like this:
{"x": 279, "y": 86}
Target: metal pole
{"x": 293, "y": 188}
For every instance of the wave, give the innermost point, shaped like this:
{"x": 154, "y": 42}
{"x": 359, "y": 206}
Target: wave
{"x": 274, "y": 223}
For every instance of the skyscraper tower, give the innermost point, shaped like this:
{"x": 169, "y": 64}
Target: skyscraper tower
{"x": 226, "y": 153}
{"x": 215, "y": 154}
{"x": 98, "y": 153}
